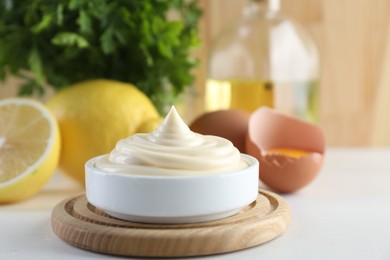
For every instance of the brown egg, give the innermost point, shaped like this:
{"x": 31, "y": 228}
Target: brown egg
{"x": 290, "y": 151}
{"x": 230, "y": 124}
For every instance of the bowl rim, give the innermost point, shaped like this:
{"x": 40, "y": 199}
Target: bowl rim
{"x": 250, "y": 160}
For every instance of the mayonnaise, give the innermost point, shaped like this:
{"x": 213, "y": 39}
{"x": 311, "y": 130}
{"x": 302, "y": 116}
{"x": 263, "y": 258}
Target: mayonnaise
{"x": 172, "y": 149}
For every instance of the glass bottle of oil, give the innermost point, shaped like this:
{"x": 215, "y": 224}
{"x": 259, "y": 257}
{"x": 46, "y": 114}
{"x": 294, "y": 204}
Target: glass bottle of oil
{"x": 264, "y": 59}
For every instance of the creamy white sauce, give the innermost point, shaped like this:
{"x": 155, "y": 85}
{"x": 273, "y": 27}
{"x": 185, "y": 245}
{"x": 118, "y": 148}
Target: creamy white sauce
{"x": 172, "y": 150}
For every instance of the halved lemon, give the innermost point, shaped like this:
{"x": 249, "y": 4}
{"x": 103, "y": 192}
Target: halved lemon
{"x": 29, "y": 148}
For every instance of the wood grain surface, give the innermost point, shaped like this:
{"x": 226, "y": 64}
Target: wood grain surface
{"x": 82, "y": 225}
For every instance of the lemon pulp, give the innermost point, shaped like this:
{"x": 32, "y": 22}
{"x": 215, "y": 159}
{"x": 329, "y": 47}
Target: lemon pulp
{"x": 29, "y": 148}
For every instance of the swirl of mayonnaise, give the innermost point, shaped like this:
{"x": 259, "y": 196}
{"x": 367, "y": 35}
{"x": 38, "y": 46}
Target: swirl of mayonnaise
{"x": 172, "y": 149}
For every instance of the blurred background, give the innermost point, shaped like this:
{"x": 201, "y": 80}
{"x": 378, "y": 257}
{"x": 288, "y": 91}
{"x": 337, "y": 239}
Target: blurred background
{"x": 353, "y": 37}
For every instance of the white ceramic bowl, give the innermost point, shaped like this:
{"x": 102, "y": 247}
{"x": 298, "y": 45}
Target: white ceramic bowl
{"x": 172, "y": 199}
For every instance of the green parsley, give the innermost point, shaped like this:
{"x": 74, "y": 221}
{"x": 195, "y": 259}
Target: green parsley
{"x": 66, "y": 41}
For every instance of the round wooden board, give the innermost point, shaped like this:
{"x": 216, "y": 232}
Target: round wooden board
{"x": 81, "y": 224}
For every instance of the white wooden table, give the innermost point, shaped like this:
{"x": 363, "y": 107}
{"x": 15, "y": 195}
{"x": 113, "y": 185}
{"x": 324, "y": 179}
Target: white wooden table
{"x": 343, "y": 214}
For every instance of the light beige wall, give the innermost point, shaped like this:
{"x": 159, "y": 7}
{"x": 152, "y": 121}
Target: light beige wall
{"x": 8, "y": 88}
{"x": 351, "y": 35}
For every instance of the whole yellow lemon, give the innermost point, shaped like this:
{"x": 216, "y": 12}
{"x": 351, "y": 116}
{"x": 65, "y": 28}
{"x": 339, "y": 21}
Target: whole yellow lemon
{"x": 92, "y": 116}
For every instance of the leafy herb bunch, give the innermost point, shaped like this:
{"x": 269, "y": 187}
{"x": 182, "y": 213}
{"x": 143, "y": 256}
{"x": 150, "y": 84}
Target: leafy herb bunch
{"x": 66, "y": 41}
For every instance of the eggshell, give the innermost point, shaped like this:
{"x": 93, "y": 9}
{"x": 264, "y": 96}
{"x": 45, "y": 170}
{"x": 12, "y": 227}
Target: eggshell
{"x": 270, "y": 129}
{"x": 231, "y": 124}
